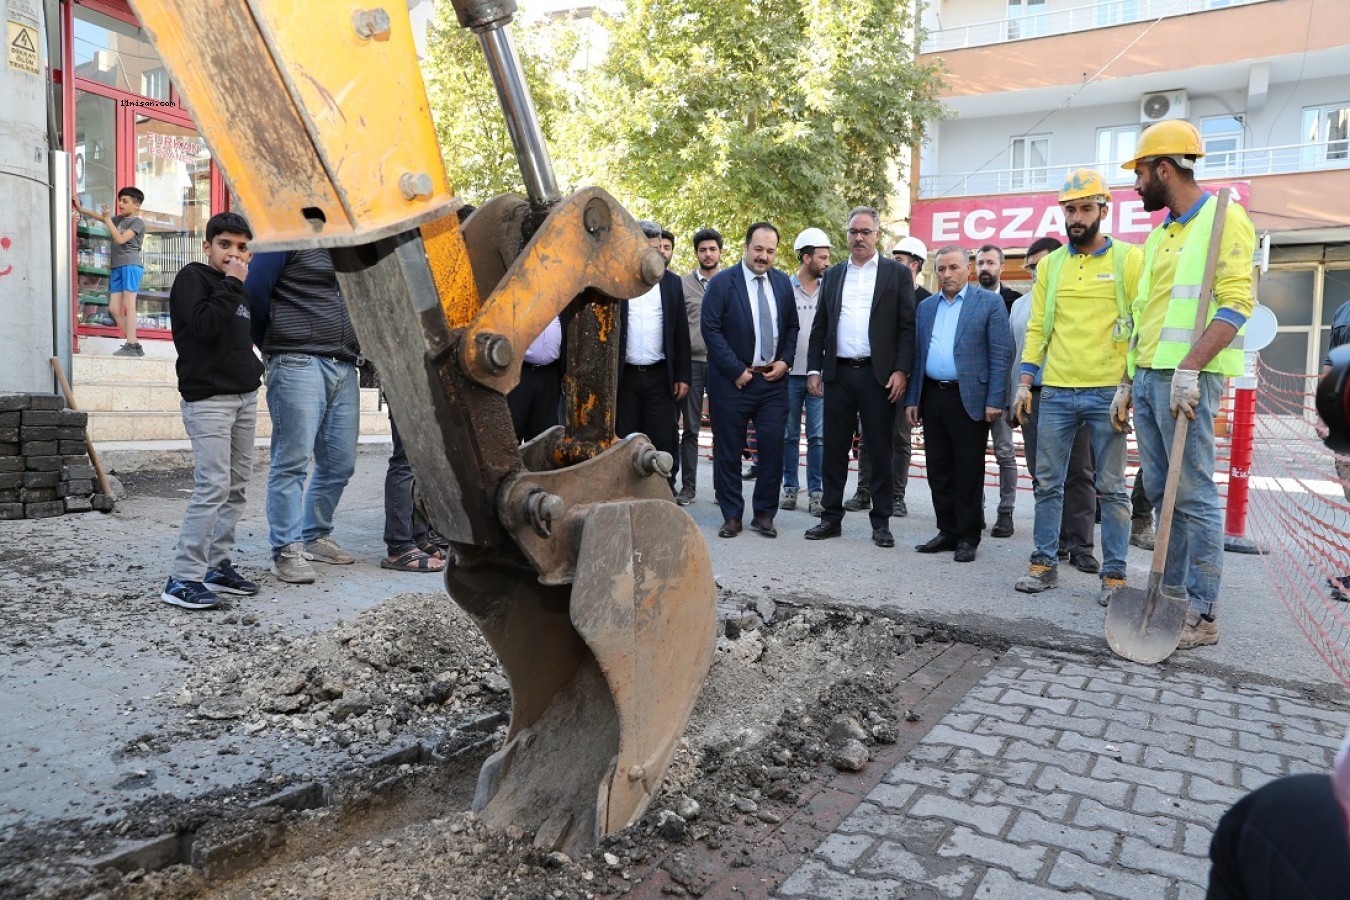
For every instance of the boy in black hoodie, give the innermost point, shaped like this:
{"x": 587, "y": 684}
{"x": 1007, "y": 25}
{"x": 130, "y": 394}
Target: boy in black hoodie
{"x": 218, "y": 376}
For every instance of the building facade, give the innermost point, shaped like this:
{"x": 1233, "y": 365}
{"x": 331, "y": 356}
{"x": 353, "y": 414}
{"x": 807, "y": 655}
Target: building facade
{"x": 1038, "y": 88}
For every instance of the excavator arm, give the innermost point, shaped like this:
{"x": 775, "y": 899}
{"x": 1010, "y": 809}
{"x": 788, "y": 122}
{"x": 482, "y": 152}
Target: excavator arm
{"x": 594, "y": 589}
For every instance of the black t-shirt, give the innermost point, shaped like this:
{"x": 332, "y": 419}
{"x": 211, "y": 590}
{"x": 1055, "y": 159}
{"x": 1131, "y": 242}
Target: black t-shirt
{"x": 211, "y": 330}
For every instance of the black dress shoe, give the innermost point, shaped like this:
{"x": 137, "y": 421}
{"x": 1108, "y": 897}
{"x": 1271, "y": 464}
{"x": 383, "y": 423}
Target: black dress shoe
{"x": 965, "y": 552}
{"x": 1003, "y": 528}
{"x": 882, "y": 537}
{"x": 730, "y": 528}
{"x": 936, "y": 545}
{"x": 764, "y": 525}
{"x": 824, "y": 530}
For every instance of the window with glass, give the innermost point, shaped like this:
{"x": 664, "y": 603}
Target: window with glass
{"x": 1117, "y": 12}
{"x": 1030, "y": 161}
{"x": 1326, "y": 135}
{"x": 94, "y": 155}
{"x": 1026, "y": 18}
{"x": 116, "y": 53}
{"x": 1221, "y": 136}
{"x": 1114, "y": 146}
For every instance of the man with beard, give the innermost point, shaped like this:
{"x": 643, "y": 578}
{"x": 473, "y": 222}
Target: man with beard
{"x": 1077, "y": 338}
{"x": 812, "y": 247}
{"x": 708, "y": 250}
{"x": 989, "y": 271}
{"x": 1173, "y": 376}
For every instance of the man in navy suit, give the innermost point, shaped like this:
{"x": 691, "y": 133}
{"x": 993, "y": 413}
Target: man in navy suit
{"x": 750, "y": 327}
{"x": 960, "y": 385}
{"x": 654, "y": 346}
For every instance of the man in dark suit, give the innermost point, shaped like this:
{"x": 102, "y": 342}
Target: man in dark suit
{"x": 654, "y": 349}
{"x": 862, "y": 346}
{"x": 964, "y": 352}
{"x": 750, "y": 327}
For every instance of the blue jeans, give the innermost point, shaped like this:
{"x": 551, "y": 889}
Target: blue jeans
{"x": 1195, "y": 553}
{"x": 815, "y": 436}
{"x": 1062, "y": 411}
{"x": 315, "y": 406}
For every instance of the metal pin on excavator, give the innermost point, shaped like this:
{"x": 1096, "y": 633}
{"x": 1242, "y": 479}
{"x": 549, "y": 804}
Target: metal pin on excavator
{"x": 592, "y": 586}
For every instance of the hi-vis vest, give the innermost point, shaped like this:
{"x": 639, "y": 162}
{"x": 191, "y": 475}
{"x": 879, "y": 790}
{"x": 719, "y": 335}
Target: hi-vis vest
{"x": 1174, "y": 341}
{"x": 1055, "y": 262}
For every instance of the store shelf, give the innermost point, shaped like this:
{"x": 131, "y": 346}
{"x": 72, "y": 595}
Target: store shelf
{"x": 91, "y": 270}
{"x": 92, "y": 231}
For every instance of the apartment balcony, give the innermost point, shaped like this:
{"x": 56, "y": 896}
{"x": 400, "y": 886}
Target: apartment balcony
{"x": 1066, "y": 21}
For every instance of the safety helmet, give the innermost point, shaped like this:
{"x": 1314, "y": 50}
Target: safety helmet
{"x": 911, "y": 245}
{"x": 1175, "y": 138}
{"x": 811, "y": 237}
{"x": 1085, "y": 184}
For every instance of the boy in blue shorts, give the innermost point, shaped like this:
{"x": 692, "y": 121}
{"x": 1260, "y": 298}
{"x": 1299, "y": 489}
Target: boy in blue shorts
{"x": 127, "y": 228}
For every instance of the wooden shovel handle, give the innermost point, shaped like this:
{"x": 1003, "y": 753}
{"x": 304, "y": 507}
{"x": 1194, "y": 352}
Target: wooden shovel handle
{"x": 88, "y": 444}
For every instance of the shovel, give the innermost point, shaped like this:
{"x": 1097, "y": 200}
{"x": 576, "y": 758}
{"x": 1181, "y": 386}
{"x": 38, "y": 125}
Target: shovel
{"x": 1145, "y": 626}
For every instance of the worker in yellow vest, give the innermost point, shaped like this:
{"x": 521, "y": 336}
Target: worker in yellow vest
{"x": 1076, "y": 347}
{"x": 1173, "y": 376}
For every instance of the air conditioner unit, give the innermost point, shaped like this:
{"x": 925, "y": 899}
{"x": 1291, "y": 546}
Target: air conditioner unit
{"x": 1162, "y": 105}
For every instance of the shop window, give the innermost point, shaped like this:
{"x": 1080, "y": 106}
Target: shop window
{"x": 116, "y": 53}
{"x": 95, "y": 160}
{"x": 1335, "y": 294}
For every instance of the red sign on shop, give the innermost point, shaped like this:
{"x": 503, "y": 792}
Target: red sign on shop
{"x": 1017, "y": 220}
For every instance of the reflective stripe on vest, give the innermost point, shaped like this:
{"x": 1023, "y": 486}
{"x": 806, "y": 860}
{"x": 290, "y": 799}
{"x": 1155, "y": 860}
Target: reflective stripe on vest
{"x": 1175, "y": 337}
{"x": 1055, "y": 262}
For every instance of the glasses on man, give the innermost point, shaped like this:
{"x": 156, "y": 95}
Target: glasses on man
{"x": 861, "y": 232}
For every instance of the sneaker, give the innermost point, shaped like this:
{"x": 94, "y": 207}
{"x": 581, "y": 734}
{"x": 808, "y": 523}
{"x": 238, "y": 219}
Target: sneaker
{"x": 1110, "y": 584}
{"x": 1039, "y": 577}
{"x": 226, "y": 579}
{"x": 1199, "y": 632}
{"x": 789, "y": 501}
{"x": 1141, "y": 534}
{"x": 860, "y": 500}
{"x": 327, "y": 550}
{"x": 685, "y": 496}
{"x": 817, "y": 504}
{"x": 290, "y": 565}
{"x": 188, "y": 594}
{"x": 900, "y": 510}
{"x": 127, "y": 349}
{"x": 140, "y": 351}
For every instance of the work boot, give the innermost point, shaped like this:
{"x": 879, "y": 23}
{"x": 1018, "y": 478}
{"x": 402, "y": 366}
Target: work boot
{"x": 817, "y": 506}
{"x": 789, "y": 501}
{"x": 291, "y": 566}
{"x": 1039, "y": 577}
{"x": 1085, "y": 562}
{"x": 1141, "y": 534}
{"x": 1003, "y": 526}
{"x": 1110, "y": 584}
{"x": 1199, "y": 631}
{"x": 861, "y": 499}
{"x": 900, "y": 510}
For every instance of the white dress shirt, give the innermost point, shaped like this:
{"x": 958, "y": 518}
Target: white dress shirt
{"x": 547, "y": 347}
{"x": 752, "y": 288}
{"x": 855, "y": 309}
{"x": 646, "y": 332}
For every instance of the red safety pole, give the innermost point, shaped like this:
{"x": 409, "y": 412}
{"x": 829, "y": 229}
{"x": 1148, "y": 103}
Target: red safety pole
{"x": 1243, "y": 432}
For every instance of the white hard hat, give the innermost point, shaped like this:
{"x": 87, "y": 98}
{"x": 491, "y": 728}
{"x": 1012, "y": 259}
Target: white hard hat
{"x": 911, "y": 245}
{"x": 811, "y": 237}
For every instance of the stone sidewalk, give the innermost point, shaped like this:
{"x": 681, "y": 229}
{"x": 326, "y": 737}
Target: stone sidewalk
{"x": 1060, "y": 775}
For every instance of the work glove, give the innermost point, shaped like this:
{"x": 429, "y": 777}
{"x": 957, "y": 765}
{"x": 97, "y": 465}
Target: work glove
{"x": 1022, "y": 403}
{"x": 1185, "y": 392}
{"x": 1120, "y": 408}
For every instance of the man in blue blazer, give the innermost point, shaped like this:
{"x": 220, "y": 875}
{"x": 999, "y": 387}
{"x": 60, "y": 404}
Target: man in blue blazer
{"x": 964, "y": 353}
{"x": 750, "y": 326}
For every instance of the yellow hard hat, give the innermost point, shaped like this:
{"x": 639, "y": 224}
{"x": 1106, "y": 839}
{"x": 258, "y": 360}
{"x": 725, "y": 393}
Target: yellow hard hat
{"x": 1085, "y": 183}
{"x": 1176, "y": 138}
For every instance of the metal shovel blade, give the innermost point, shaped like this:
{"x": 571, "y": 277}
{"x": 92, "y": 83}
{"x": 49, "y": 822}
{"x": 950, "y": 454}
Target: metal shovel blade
{"x": 1144, "y": 626}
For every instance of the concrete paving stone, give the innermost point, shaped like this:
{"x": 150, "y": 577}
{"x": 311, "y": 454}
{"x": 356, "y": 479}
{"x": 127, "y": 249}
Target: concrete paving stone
{"x": 1265, "y": 760}
{"x": 1143, "y": 857}
{"x": 1159, "y": 830}
{"x": 1334, "y": 727}
{"x": 891, "y": 796}
{"x": 1051, "y": 803}
{"x": 816, "y": 880}
{"x": 1294, "y": 742}
{"x": 1076, "y": 762}
{"x": 1112, "y": 793}
{"x": 1177, "y": 695}
{"x": 1188, "y": 891}
{"x": 929, "y": 754}
{"x": 1005, "y": 770}
{"x": 870, "y": 819}
{"x": 989, "y": 693}
{"x": 1103, "y": 685}
{"x": 1143, "y": 719}
{"x": 1049, "y": 704}
{"x": 1156, "y": 709}
{"x": 1157, "y": 758}
{"x": 961, "y": 720}
{"x": 999, "y": 728}
{"x": 1088, "y": 701}
{"x": 1216, "y": 698}
{"x": 1024, "y": 861}
{"x": 1030, "y": 678}
{"x": 1118, "y": 735}
{"x": 1094, "y": 844}
{"x": 1195, "y": 838}
{"x": 989, "y": 819}
{"x": 1079, "y": 669}
{"x": 1191, "y": 730}
{"x": 1251, "y": 779}
{"x": 1035, "y": 658}
{"x": 1003, "y": 713}
{"x": 999, "y": 885}
{"x": 955, "y": 784}
{"x": 842, "y": 851}
{"x": 1107, "y": 769}
{"x": 1307, "y": 732}
{"x": 1088, "y": 726}
{"x": 1074, "y": 872}
{"x": 1130, "y": 753}
{"x": 1249, "y": 719}
{"x": 1303, "y": 709}
{"x": 1274, "y": 692}
{"x": 1149, "y": 801}
{"x": 948, "y": 878}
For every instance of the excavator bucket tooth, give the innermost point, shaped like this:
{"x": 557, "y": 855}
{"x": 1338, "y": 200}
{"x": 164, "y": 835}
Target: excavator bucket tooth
{"x": 603, "y": 674}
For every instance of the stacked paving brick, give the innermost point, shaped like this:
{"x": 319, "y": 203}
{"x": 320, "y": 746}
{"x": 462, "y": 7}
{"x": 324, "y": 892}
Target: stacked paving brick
{"x": 44, "y": 463}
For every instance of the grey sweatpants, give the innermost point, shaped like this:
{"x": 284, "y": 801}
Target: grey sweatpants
{"x": 222, "y": 430}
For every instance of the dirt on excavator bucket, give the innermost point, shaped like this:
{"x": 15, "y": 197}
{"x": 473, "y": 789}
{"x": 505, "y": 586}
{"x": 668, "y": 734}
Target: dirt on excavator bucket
{"x": 603, "y": 675}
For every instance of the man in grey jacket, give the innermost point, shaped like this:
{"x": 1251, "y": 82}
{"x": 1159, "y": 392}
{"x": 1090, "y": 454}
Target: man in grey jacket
{"x": 708, "y": 249}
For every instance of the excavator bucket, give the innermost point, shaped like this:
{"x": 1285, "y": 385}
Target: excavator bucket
{"x": 603, "y": 675}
